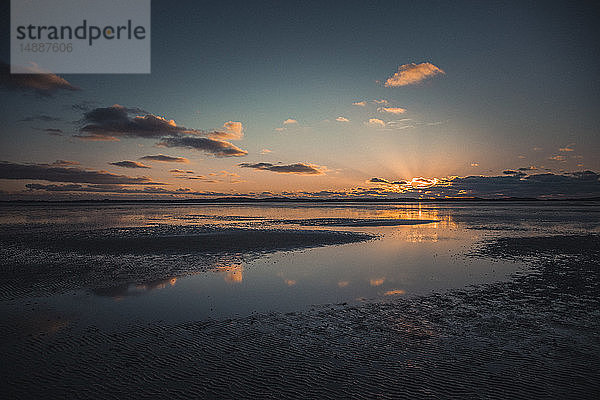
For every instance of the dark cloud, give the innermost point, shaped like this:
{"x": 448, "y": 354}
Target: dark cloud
{"x": 64, "y": 163}
{"x": 53, "y": 131}
{"x": 40, "y": 117}
{"x": 117, "y": 121}
{"x": 55, "y": 173}
{"x": 219, "y": 148}
{"x": 586, "y": 175}
{"x": 129, "y": 164}
{"x": 298, "y": 168}
{"x": 149, "y": 190}
{"x": 576, "y": 184}
{"x": 199, "y": 178}
{"x": 45, "y": 84}
{"x": 385, "y": 181}
{"x": 112, "y": 123}
{"x": 513, "y": 172}
{"x": 164, "y": 158}
{"x": 513, "y": 183}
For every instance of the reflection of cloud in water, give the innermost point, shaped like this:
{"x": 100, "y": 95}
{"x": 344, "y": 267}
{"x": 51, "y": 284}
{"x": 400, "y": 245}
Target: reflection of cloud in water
{"x": 234, "y": 273}
{"x": 377, "y": 281}
{"x": 290, "y": 282}
{"x": 119, "y": 292}
{"x": 343, "y": 284}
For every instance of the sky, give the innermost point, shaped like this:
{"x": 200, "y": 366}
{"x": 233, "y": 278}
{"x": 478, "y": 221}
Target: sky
{"x": 387, "y": 99}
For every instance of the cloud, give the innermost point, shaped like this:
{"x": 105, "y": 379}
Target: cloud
{"x": 115, "y": 121}
{"x": 149, "y": 190}
{"x": 231, "y": 131}
{"x": 53, "y": 173}
{"x": 385, "y": 181}
{"x": 40, "y": 117}
{"x": 342, "y": 119}
{"x": 513, "y": 172}
{"x": 360, "y": 103}
{"x": 199, "y": 178}
{"x": 53, "y": 131}
{"x": 298, "y": 168}
{"x": 112, "y": 123}
{"x": 129, "y": 164}
{"x": 474, "y": 164}
{"x": 576, "y": 184}
{"x": 382, "y": 101}
{"x": 164, "y": 158}
{"x": 218, "y": 148}
{"x": 97, "y": 138}
{"x": 290, "y": 121}
{"x": 558, "y": 158}
{"x": 64, "y": 163}
{"x": 411, "y": 74}
{"x": 44, "y": 84}
{"x": 567, "y": 148}
{"x": 376, "y": 122}
{"x": 421, "y": 182}
{"x": 266, "y": 151}
{"x": 392, "y": 110}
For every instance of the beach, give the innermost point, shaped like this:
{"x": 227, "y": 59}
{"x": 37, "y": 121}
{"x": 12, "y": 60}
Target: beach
{"x": 353, "y": 301}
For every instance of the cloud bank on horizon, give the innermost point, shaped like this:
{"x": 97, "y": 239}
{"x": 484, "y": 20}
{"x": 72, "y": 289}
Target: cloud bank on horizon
{"x": 582, "y": 184}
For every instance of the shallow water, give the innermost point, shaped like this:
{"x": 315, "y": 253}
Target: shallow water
{"x": 425, "y": 252}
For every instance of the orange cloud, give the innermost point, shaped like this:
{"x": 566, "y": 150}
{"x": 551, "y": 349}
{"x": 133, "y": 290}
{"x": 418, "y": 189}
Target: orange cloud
{"x": 376, "y": 123}
{"x": 557, "y": 158}
{"x": 231, "y": 130}
{"x": 360, "y": 103}
{"x": 392, "y": 110}
{"x": 290, "y": 121}
{"x": 411, "y": 74}
{"x": 342, "y": 119}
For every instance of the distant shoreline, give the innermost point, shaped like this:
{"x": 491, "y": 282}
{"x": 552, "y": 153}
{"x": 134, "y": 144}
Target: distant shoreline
{"x": 251, "y": 200}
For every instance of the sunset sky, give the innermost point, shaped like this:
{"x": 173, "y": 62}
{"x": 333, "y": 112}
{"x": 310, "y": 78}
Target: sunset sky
{"x": 320, "y": 99}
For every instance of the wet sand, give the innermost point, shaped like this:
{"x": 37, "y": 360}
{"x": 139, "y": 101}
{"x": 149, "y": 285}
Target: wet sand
{"x": 534, "y": 336}
{"x": 41, "y": 264}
